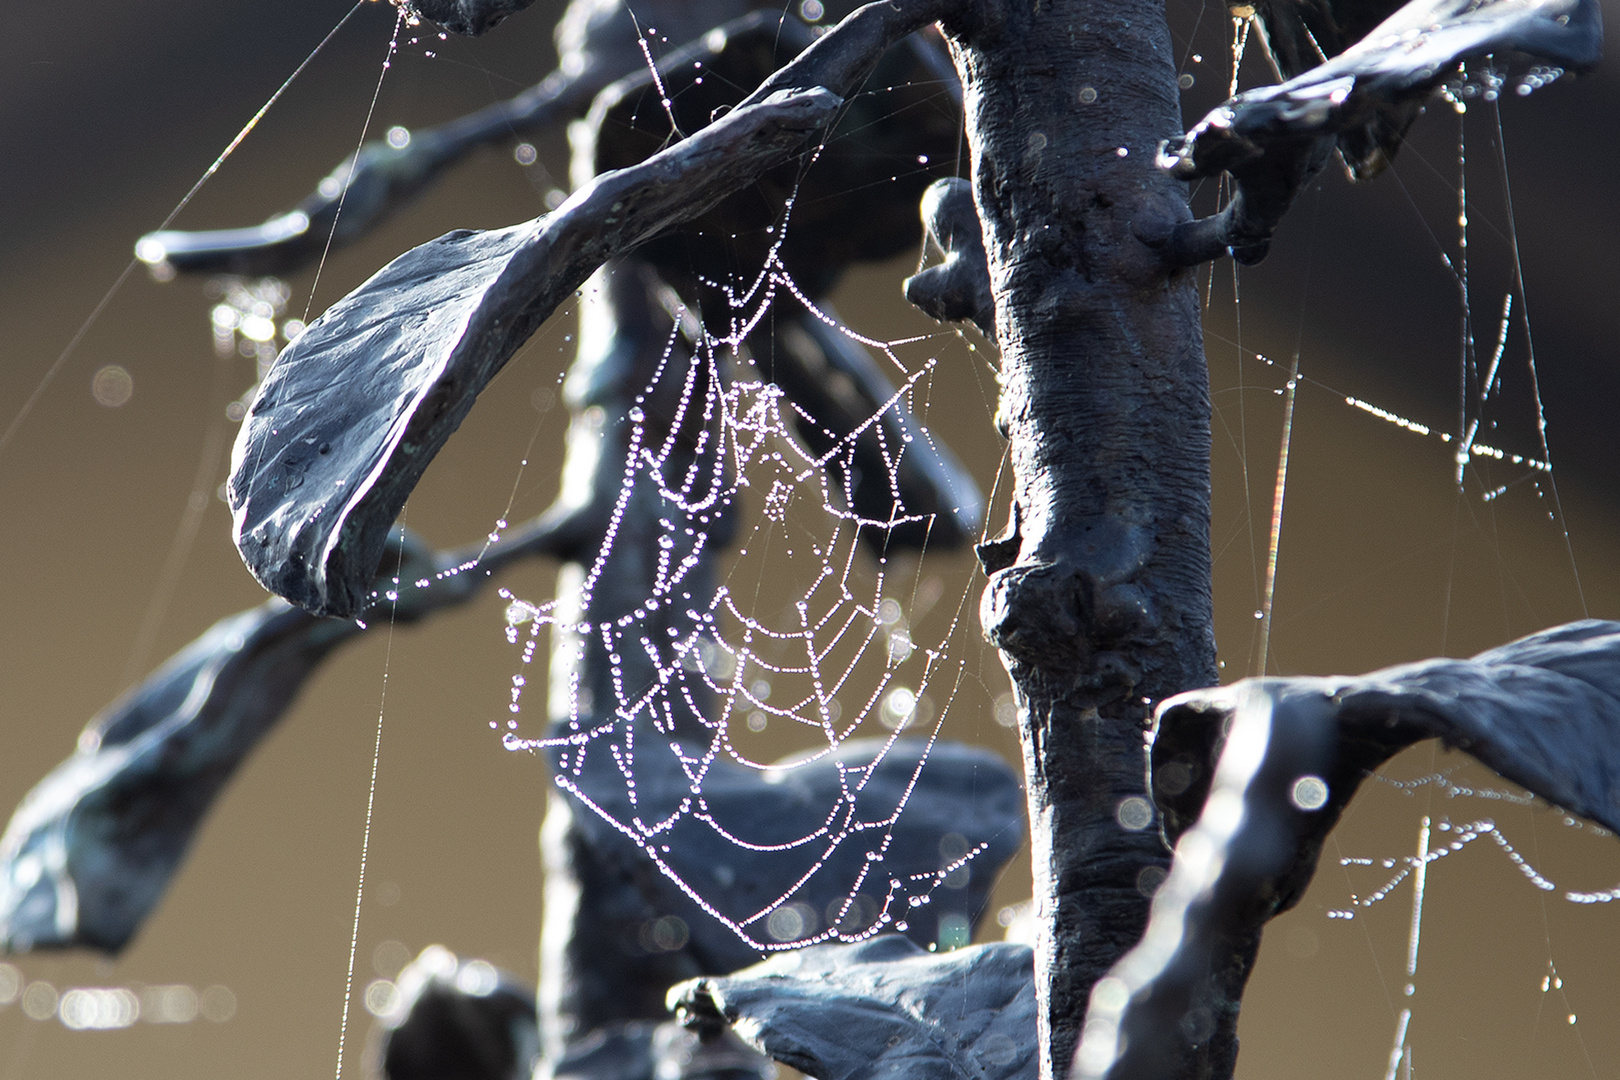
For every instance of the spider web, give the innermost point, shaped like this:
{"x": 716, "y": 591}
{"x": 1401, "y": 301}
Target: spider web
{"x": 824, "y": 651}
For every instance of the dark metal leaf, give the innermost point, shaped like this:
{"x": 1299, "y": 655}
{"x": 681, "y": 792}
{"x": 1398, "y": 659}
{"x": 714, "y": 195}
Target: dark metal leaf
{"x": 352, "y": 413}
{"x": 880, "y": 1008}
{"x": 1274, "y": 138}
{"x": 91, "y": 850}
{"x": 1543, "y": 711}
{"x": 965, "y": 796}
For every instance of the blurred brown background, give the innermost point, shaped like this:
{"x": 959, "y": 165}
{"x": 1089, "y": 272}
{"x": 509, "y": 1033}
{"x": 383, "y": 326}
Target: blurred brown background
{"x": 109, "y": 113}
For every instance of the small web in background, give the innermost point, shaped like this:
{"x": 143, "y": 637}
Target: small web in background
{"x": 1495, "y": 447}
{"x": 1496, "y": 442}
{"x": 1472, "y": 832}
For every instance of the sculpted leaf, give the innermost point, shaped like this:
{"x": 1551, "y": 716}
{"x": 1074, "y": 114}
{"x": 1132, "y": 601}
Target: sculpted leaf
{"x": 92, "y": 848}
{"x": 874, "y": 797}
{"x": 880, "y": 1008}
{"x": 1361, "y": 101}
{"x": 347, "y": 421}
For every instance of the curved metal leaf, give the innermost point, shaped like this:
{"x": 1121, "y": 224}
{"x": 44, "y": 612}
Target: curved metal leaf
{"x": 90, "y": 851}
{"x": 880, "y": 1008}
{"x": 1543, "y": 711}
{"x": 352, "y": 413}
{"x": 1274, "y": 138}
{"x": 884, "y": 814}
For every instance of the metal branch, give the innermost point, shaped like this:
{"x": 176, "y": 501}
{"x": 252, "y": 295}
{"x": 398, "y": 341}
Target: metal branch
{"x": 597, "y": 43}
{"x": 1099, "y": 595}
{"x": 365, "y": 189}
{"x": 958, "y": 289}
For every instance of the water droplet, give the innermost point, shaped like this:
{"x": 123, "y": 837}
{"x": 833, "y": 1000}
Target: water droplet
{"x": 112, "y": 386}
{"x": 1309, "y": 793}
{"x": 1134, "y": 813}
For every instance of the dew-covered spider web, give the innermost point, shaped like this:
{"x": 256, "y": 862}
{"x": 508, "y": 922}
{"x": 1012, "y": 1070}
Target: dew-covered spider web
{"x": 803, "y": 638}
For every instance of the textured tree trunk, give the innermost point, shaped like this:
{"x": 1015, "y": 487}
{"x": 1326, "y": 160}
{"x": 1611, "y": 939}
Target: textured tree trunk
{"x": 1099, "y": 594}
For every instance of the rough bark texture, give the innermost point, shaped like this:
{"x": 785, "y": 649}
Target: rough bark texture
{"x": 1099, "y": 591}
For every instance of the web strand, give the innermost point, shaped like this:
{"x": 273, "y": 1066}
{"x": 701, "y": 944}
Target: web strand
{"x": 354, "y": 161}
{"x": 365, "y": 834}
{"x": 208, "y": 174}
{"x": 1535, "y": 378}
{"x": 1275, "y": 538}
